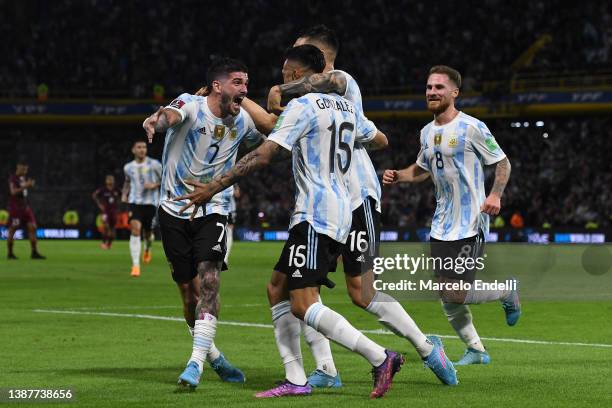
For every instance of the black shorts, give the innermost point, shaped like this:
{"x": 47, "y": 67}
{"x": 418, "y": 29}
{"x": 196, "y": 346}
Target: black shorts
{"x": 306, "y": 257}
{"x": 231, "y": 218}
{"x": 363, "y": 243}
{"x": 187, "y": 243}
{"x": 143, "y": 213}
{"x": 466, "y": 255}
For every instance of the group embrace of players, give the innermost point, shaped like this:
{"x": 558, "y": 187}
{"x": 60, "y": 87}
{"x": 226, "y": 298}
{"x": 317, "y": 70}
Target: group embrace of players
{"x": 337, "y": 211}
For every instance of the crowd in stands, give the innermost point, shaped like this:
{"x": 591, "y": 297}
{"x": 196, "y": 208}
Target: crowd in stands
{"x": 118, "y": 48}
{"x": 561, "y": 173}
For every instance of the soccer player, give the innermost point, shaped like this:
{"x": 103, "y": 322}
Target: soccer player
{"x": 319, "y": 130}
{"x": 231, "y": 220}
{"x": 202, "y": 140}
{"x": 362, "y": 247}
{"x": 141, "y": 191}
{"x": 20, "y": 212}
{"x": 107, "y": 199}
{"x": 454, "y": 149}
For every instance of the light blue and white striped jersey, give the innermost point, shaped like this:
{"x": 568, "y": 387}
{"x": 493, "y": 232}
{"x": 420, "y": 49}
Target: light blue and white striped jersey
{"x": 454, "y": 154}
{"x": 320, "y": 130}
{"x": 201, "y": 147}
{"x": 149, "y": 171}
{"x": 363, "y": 180}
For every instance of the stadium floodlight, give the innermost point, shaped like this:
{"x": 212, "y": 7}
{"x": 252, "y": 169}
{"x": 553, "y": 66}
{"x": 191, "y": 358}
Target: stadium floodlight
{"x": 526, "y": 124}
{"x": 545, "y": 135}
{"x": 539, "y": 123}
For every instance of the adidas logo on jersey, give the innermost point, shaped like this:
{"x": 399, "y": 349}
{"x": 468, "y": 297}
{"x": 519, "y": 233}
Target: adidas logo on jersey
{"x": 296, "y": 274}
{"x": 360, "y": 259}
{"x": 217, "y": 248}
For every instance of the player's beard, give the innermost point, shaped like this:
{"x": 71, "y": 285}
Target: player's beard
{"x": 442, "y": 105}
{"x": 226, "y": 105}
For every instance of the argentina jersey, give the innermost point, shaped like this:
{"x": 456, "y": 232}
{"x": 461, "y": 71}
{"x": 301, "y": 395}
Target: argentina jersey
{"x": 363, "y": 180}
{"x": 201, "y": 147}
{"x": 454, "y": 154}
{"x": 320, "y": 131}
{"x": 139, "y": 174}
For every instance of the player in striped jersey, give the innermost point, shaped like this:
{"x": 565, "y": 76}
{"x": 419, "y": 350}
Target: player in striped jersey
{"x": 362, "y": 247}
{"x": 202, "y": 139}
{"x": 454, "y": 149}
{"x": 141, "y": 191}
{"x": 320, "y": 131}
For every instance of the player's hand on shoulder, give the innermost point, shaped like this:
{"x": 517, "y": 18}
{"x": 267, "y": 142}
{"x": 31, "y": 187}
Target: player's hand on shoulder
{"x": 203, "y": 91}
{"x": 491, "y": 205}
{"x": 390, "y": 177}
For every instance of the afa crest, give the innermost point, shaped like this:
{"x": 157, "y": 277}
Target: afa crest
{"x": 233, "y": 134}
{"x": 438, "y": 139}
{"x": 219, "y": 132}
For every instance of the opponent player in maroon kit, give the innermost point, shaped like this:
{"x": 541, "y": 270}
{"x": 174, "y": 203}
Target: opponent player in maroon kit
{"x": 20, "y": 213}
{"x": 107, "y": 198}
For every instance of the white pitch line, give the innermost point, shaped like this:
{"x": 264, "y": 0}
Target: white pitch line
{"x": 269, "y": 326}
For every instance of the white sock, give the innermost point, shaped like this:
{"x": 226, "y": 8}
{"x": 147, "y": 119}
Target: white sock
{"x": 287, "y": 335}
{"x": 135, "y": 250}
{"x": 474, "y": 296}
{"x": 203, "y": 336}
{"x": 213, "y": 353}
{"x": 460, "y": 318}
{"x": 337, "y": 328}
{"x": 229, "y": 240}
{"x": 393, "y": 316}
{"x": 320, "y": 348}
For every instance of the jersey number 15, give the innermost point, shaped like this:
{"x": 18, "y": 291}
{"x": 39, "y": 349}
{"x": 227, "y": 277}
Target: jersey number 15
{"x": 336, "y": 139}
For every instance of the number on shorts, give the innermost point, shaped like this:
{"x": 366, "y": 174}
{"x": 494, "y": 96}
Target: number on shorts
{"x": 466, "y": 251}
{"x": 222, "y": 226}
{"x": 297, "y": 258}
{"x": 358, "y": 241}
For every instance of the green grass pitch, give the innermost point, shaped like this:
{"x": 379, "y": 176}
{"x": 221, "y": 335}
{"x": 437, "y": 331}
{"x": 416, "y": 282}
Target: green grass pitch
{"x": 112, "y": 355}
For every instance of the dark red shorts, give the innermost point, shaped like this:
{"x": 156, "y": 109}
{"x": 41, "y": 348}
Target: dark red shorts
{"x": 110, "y": 218}
{"x": 20, "y": 217}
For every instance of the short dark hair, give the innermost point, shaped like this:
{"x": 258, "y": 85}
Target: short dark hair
{"x": 323, "y": 34}
{"x": 139, "y": 139}
{"x": 22, "y": 161}
{"x": 308, "y": 55}
{"x": 452, "y": 73}
{"x": 221, "y": 67}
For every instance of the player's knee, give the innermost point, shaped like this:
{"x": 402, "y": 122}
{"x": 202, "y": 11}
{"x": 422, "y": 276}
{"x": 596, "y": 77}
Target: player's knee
{"x": 358, "y": 299}
{"x": 209, "y": 275}
{"x": 298, "y": 309}
{"x": 451, "y": 296}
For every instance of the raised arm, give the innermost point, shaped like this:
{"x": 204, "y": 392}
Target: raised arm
{"x": 264, "y": 121}
{"x": 323, "y": 83}
{"x": 265, "y": 154}
{"x": 411, "y": 174}
{"x": 160, "y": 121}
{"x": 492, "y": 203}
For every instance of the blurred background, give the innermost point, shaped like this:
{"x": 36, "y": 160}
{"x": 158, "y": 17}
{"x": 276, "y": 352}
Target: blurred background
{"x": 77, "y": 79}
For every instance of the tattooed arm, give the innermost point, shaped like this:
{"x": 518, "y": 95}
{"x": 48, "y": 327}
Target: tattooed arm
{"x": 263, "y": 156}
{"x": 264, "y": 121}
{"x": 492, "y": 204}
{"x": 323, "y": 83}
